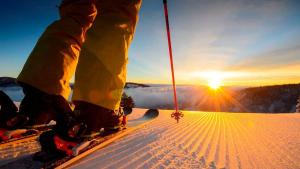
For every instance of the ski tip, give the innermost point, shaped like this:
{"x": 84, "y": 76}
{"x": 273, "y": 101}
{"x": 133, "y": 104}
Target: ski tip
{"x": 151, "y": 113}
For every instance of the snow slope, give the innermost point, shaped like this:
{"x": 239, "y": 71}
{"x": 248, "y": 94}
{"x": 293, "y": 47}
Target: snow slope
{"x": 205, "y": 140}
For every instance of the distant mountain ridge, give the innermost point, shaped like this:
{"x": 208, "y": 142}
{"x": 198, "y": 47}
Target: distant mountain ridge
{"x": 8, "y": 81}
{"x": 277, "y": 98}
{"x": 265, "y": 99}
{"x": 11, "y": 82}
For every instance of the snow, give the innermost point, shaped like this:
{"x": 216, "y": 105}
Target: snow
{"x": 206, "y": 140}
{"x": 199, "y": 140}
{"x": 16, "y": 151}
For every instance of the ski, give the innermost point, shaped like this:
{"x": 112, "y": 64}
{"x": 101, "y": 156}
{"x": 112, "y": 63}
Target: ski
{"x": 8, "y": 137}
{"x": 104, "y": 139}
{"x": 23, "y": 135}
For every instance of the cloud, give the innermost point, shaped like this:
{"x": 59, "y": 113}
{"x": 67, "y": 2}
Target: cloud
{"x": 162, "y": 96}
{"x": 274, "y": 59}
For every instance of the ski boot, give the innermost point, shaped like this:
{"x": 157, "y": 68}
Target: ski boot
{"x": 76, "y": 130}
{"x": 37, "y": 110}
{"x": 8, "y": 111}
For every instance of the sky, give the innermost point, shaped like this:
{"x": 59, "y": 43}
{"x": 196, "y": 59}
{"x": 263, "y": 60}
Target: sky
{"x": 235, "y": 42}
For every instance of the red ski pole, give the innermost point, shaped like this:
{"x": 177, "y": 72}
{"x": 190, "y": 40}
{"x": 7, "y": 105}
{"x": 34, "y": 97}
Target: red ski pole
{"x": 177, "y": 114}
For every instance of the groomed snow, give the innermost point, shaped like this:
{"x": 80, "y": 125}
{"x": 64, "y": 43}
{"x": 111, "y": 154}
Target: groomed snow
{"x": 206, "y": 140}
{"x": 202, "y": 140}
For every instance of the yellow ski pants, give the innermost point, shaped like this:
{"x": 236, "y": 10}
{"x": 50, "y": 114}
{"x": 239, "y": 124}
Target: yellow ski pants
{"x": 92, "y": 35}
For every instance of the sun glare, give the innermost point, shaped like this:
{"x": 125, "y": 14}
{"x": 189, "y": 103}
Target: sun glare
{"x": 214, "y": 83}
{"x": 214, "y": 80}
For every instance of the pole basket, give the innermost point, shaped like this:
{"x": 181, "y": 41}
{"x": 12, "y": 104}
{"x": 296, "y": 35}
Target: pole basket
{"x": 177, "y": 115}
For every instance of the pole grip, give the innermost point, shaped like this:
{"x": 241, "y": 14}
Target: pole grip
{"x": 165, "y": 1}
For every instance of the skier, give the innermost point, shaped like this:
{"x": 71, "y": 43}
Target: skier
{"x": 91, "y": 37}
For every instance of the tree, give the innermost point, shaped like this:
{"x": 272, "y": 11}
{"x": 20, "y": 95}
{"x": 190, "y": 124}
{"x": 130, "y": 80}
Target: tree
{"x": 127, "y": 103}
{"x": 298, "y": 105}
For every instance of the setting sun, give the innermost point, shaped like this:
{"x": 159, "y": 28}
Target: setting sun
{"x": 214, "y": 83}
{"x": 214, "y": 80}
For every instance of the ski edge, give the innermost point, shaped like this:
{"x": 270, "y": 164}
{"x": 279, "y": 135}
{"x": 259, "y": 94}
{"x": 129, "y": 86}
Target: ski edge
{"x": 30, "y": 137}
{"x": 103, "y": 144}
{"x": 39, "y": 130}
{"x": 20, "y": 140}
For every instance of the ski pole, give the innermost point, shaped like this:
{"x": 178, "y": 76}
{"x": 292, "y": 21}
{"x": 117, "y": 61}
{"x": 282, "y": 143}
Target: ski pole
{"x": 177, "y": 114}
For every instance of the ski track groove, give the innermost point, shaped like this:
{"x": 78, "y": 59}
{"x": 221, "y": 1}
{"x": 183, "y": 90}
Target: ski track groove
{"x": 212, "y": 152}
{"x": 233, "y": 156}
{"x": 178, "y": 143}
{"x": 203, "y": 150}
{"x": 152, "y": 149}
{"x": 207, "y": 127}
{"x": 226, "y": 145}
{"x": 205, "y": 140}
{"x": 142, "y": 150}
{"x": 184, "y": 138}
{"x": 222, "y": 146}
{"x": 218, "y": 149}
{"x": 117, "y": 152}
{"x": 239, "y": 143}
{"x": 170, "y": 138}
{"x": 204, "y": 128}
{"x": 197, "y": 131}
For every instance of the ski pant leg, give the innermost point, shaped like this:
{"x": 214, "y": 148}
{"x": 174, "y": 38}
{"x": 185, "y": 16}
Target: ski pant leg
{"x": 53, "y": 60}
{"x": 101, "y": 72}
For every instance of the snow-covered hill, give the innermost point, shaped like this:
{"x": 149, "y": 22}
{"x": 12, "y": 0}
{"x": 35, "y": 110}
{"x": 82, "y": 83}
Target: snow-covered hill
{"x": 205, "y": 140}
